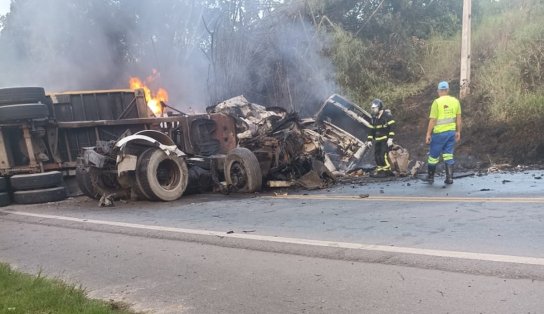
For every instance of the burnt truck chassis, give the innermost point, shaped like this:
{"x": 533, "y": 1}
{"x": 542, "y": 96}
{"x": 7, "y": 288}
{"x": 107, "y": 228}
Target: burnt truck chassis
{"x": 189, "y": 154}
{"x": 234, "y": 148}
{"x": 117, "y": 148}
{"x": 192, "y": 158}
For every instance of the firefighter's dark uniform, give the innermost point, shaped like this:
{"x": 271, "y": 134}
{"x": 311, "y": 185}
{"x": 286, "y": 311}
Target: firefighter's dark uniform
{"x": 382, "y": 130}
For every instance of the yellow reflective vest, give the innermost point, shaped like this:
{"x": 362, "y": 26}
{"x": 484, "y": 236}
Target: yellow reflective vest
{"x": 445, "y": 110}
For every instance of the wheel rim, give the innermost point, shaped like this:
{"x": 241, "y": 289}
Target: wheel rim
{"x": 168, "y": 174}
{"x": 238, "y": 175}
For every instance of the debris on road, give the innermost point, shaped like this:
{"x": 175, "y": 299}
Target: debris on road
{"x": 498, "y": 167}
{"x": 464, "y": 175}
{"x": 279, "y": 184}
{"x": 399, "y": 158}
{"x": 416, "y": 168}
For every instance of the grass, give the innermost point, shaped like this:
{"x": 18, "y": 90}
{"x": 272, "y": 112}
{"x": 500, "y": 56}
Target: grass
{"x": 507, "y": 79}
{"x": 361, "y": 74}
{"x": 441, "y": 59}
{"x": 512, "y": 48}
{"x": 22, "y": 293}
{"x": 365, "y": 73}
{"x": 507, "y": 62}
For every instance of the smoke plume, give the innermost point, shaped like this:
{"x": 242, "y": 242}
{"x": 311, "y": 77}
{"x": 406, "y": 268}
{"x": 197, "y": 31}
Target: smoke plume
{"x": 203, "y": 51}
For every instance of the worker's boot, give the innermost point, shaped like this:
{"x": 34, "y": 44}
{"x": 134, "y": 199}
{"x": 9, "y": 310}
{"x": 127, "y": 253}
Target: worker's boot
{"x": 430, "y": 174}
{"x": 449, "y": 174}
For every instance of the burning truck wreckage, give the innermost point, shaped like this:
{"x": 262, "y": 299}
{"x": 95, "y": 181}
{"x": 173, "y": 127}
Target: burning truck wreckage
{"x": 237, "y": 146}
{"x": 130, "y": 144}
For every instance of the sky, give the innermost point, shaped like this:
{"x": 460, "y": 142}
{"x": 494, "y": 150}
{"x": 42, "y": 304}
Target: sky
{"x": 4, "y": 6}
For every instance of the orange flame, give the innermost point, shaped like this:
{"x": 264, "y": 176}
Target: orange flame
{"x": 154, "y": 99}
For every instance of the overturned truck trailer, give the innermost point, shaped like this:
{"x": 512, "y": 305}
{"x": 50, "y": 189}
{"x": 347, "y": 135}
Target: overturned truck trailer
{"x": 117, "y": 148}
{"x": 40, "y": 132}
{"x": 41, "y": 136}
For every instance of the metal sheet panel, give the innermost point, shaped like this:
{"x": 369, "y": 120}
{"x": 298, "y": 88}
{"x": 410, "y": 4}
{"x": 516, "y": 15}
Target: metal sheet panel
{"x": 93, "y": 106}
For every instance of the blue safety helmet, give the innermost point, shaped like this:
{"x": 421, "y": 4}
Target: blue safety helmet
{"x": 443, "y": 85}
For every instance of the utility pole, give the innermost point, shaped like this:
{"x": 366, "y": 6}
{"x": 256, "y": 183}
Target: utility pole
{"x": 465, "y": 49}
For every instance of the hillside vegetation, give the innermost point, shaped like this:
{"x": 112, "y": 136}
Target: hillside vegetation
{"x": 294, "y": 53}
{"x": 505, "y": 111}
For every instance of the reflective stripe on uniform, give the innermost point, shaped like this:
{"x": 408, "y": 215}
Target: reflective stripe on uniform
{"x": 381, "y": 138}
{"x": 447, "y": 157}
{"x": 387, "y": 166}
{"x": 391, "y": 122}
{"x": 445, "y": 121}
{"x": 391, "y": 133}
{"x": 432, "y": 161}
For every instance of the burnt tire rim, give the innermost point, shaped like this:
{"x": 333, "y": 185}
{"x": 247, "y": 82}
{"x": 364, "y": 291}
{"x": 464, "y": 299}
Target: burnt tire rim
{"x": 168, "y": 174}
{"x": 238, "y": 175}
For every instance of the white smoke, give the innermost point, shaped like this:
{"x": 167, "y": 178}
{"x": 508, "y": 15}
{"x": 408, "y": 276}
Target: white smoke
{"x": 80, "y": 45}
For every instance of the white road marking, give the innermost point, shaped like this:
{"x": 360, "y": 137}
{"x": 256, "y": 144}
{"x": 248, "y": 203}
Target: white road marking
{"x": 316, "y": 243}
{"x": 417, "y": 199}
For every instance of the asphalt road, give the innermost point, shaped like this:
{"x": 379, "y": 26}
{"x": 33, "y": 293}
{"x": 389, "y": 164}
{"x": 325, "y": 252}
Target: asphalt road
{"x": 474, "y": 247}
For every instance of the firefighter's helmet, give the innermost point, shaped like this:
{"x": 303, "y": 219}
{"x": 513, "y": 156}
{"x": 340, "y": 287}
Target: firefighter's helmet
{"x": 376, "y": 106}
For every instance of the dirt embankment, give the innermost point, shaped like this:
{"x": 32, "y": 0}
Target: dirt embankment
{"x": 484, "y": 141}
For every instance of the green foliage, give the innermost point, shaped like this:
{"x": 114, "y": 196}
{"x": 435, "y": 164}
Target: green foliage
{"x": 511, "y": 50}
{"x": 382, "y": 19}
{"x": 400, "y": 58}
{"x": 21, "y": 293}
{"x": 530, "y": 58}
{"x": 366, "y": 71}
{"x": 355, "y": 68}
{"x": 507, "y": 57}
{"x": 440, "y": 59}
{"x": 392, "y": 49}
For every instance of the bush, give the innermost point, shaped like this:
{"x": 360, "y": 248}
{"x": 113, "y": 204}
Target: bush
{"x": 512, "y": 72}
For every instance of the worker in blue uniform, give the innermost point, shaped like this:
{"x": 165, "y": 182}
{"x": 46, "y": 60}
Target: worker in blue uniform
{"x": 443, "y": 131}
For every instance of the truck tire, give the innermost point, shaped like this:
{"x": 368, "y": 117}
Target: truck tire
{"x": 243, "y": 171}
{"x": 85, "y": 184}
{"x": 138, "y": 187}
{"x": 23, "y": 112}
{"x": 21, "y": 95}
{"x": 35, "y": 181}
{"x": 4, "y": 199}
{"x": 104, "y": 182}
{"x": 40, "y": 196}
{"x": 161, "y": 177}
{"x": 3, "y": 184}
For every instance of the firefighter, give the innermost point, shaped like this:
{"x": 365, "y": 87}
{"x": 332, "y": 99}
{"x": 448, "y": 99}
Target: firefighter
{"x": 443, "y": 131}
{"x": 382, "y": 134}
